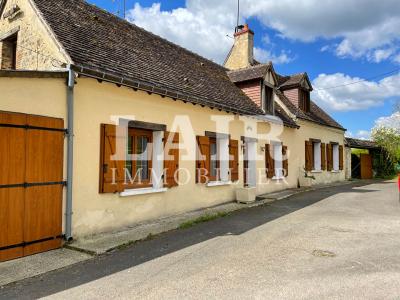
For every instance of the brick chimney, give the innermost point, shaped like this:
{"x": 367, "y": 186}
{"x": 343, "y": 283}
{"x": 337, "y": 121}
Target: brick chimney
{"x": 241, "y": 54}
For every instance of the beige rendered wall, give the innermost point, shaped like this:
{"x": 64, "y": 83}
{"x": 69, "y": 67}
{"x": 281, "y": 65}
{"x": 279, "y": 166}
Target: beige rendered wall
{"x": 326, "y": 135}
{"x": 96, "y": 103}
{"x": 36, "y": 49}
{"x": 37, "y": 96}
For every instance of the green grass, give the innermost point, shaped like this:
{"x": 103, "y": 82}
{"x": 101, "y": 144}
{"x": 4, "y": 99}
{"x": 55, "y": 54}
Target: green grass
{"x": 203, "y": 219}
{"x": 387, "y": 177}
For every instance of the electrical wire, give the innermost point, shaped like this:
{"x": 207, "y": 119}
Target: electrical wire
{"x": 359, "y": 81}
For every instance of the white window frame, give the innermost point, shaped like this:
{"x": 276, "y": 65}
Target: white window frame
{"x": 251, "y": 157}
{"x": 157, "y": 169}
{"x": 223, "y": 155}
{"x": 317, "y": 157}
{"x": 335, "y": 154}
{"x": 278, "y": 158}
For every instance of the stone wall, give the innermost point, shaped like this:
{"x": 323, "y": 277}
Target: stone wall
{"x": 36, "y": 49}
{"x": 241, "y": 55}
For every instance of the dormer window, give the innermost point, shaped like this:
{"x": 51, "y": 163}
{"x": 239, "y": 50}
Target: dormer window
{"x": 268, "y": 101}
{"x": 304, "y": 100}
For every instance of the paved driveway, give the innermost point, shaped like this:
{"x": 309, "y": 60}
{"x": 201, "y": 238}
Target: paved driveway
{"x": 341, "y": 242}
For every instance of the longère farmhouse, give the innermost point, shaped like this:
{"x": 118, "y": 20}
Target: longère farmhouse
{"x": 104, "y": 125}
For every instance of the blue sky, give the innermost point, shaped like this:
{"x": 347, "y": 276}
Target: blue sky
{"x": 335, "y": 43}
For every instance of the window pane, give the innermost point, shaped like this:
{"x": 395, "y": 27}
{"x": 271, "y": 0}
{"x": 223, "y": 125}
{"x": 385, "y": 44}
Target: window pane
{"x": 213, "y": 161}
{"x": 142, "y": 164}
{"x": 129, "y": 152}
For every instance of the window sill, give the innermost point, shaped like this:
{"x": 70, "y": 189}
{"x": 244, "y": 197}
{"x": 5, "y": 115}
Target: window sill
{"x": 143, "y": 191}
{"x": 316, "y": 171}
{"x": 278, "y": 178}
{"x": 218, "y": 183}
{"x": 335, "y": 171}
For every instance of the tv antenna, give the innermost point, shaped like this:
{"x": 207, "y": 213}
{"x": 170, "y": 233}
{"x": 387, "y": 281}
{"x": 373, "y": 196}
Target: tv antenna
{"x": 238, "y": 14}
{"x": 123, "y": 7}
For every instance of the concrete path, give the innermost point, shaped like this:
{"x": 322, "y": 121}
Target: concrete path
{"x": 30, "y": 266}
{"x": 339, "y": 242}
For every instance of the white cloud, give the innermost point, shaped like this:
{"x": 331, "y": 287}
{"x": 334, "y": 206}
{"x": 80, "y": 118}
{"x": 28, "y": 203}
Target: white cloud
{"x": 362, "y": 26}
{"x": 365, "y": 28}
{"x": 188, "y": 27}
{"x": 361, "y": 134}
{"x": 359, "y": 96}
{"x": 325, "y": 48}
{"x": 263, "y": 56}
{"x": 201, "y": 26}
{"x": 382, "y": 54}
{"x": 392, "y": 121}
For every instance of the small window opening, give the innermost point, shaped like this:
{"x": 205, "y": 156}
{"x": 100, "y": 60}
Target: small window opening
{"x": 9, "y": 53}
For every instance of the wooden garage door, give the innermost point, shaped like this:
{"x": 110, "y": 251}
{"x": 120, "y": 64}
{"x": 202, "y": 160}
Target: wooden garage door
{"x": 31, "y": 184}
{"x": 366, "y": 166}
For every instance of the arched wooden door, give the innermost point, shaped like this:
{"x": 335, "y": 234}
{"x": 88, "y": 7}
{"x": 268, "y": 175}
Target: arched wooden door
{"x": 31, "y": 184}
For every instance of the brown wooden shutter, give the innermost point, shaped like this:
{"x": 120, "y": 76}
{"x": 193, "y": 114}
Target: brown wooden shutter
{"x": 110, "y": 169}
{"x": 234, "y": 159}
{"x": 203, "y": 163}
{"x": 285, "y": 161}
{"x": 323, "y": 156}
{"x": 269, "y": 161}
{"x": 329, "y": 156}
{"x": 309, "y": 156}
{"x": 171, "y": 148}
{"x": 341, "y": 158}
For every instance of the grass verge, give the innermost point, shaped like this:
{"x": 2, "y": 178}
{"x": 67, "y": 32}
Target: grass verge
{"x": 203, "y": 219}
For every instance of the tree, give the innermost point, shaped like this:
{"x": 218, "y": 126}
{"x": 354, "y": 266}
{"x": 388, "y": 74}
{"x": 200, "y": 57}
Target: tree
{"x": 389, "y": 139}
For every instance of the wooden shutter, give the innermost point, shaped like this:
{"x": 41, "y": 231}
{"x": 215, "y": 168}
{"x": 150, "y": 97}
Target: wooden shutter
{"x": 109, "y": 168}
{"x": 323, "y": 157}
{"x": 329, "y": 156}
{"x": 269, "y": 161}
{"x": 285, "y": 162}
{"x": 234, "y": 159}
{"x": 341, "y": 158}
{"x": 203, "y": 163}
{"x": 171, "y": 165}
{"x": 309, "y": 156}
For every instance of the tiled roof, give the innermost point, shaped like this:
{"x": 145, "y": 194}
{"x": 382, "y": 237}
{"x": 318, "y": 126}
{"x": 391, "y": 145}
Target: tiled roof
{"x": 290, "y": 81}
{"x": 287, "y": 120}
{"x": 361, "y": 144}
{"x": 254, "y": 72}
{"x": 316, "y": 114}
{"x": 100, "y": 41}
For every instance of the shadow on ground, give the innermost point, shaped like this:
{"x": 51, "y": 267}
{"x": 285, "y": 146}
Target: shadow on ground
{"x": 235, "y": 224}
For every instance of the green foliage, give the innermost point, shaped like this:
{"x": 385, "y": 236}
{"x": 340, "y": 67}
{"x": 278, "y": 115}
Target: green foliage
{"x": 358, "y": 152}
{"x": 389, "y": 139}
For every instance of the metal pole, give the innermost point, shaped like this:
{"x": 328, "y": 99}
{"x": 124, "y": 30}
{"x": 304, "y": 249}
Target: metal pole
{"x": 238, "y": 13}
{"x": 124, "y": 14}
{"x": 70, "y": 152}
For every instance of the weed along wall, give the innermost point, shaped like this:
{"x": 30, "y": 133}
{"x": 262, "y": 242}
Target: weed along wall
{"x": 100, "y": 103}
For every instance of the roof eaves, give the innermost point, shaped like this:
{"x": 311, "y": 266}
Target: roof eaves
{"x": 151, "y": 88}
{"x": 33, "y": 74}
{"x": 320, "y": 123}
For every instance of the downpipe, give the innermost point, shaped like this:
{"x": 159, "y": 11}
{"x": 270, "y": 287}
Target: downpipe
{"x": 70, "y": 152}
